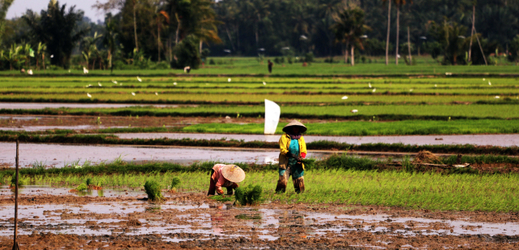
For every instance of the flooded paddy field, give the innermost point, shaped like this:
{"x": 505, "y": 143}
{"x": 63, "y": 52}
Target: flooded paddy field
{"x": 31, "y": 105}
{"x": 57, "y": 155}
{"x": 503, "y": 140}
{"x": 191, "y": 220}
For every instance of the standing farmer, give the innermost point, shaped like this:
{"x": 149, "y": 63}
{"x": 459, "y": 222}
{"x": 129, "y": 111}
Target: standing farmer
{"x": 225, "y": 176}
{"x": 292, "y": 150}
{"x": 270, "y": 66}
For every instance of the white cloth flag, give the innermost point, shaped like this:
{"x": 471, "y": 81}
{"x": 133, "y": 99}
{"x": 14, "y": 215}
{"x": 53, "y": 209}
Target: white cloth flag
{"x": 272, "y": 114}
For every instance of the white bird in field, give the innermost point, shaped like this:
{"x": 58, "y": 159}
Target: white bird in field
{"x": 133, "y": 93}
{"x": 497, "y": 97}
{"x": 98, "y": 83}
{"x": 344, "y": 97}
{"x": 411, "y": 90}
{"x": 483, "y": 79}
{"x": 115, "y": 82}
{"x": 29, "y": 72}
{"x": 374, "y": 90}
{"x": 89, "y": 96}
{"x": 175, "y": 83}
{"x": 264, "y": 83}
{"x": 229, "y": 80}
{"x": 435, "y": 85}
{"x": 156, "y": 93}
{"x": 448, "y": 73}
{"x": 85, "y": 71}
{"x": 89, "y": 85}
{"x": 369, "y": 85}
{"x": 354, "y": 111}
{"x": 489, "y": 83}
{"x": 139, "y": 79}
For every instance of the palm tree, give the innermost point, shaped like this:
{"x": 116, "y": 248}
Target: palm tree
{"x": 162, "y": 18}
{"x": 398, "y": 3}
{"x": 57, "y": 28}
{"x": 4, "y": 6}
{"x": 349, "y": 28}
{"x": 451, "y": 37}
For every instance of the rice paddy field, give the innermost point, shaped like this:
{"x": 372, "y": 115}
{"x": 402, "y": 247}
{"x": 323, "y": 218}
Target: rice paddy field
{"x": 397, "y": 196}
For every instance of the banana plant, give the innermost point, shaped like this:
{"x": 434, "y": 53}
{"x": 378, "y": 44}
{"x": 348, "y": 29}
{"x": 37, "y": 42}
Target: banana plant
{"x": 40, "y": 53}
{"x": 13, "y": 55}
{"x": 88, "y": 47}
{"x": 28, "y": 52}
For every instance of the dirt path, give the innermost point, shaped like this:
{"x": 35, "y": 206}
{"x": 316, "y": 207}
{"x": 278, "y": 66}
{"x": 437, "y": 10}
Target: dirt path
{"x": 189, "y": 220}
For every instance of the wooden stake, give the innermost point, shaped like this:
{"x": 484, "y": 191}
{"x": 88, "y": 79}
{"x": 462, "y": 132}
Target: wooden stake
{"x": 15, "y": 245}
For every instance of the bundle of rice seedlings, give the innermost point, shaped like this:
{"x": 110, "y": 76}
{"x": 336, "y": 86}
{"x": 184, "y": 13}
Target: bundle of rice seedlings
{"x": 153, "y": 191}
{"x": 174, "y": 183}
{"x": 248, "y": 195}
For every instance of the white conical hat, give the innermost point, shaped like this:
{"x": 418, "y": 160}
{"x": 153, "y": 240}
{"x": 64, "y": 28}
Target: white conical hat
{"x": 295, "y": 123}
{"x": 233, "y": 173}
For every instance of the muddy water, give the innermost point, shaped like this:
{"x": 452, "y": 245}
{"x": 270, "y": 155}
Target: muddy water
{"x": 177, "y": 221}
{"x": 47, "y": 190}
{"x": 21, "y": 105}
{"x": 504, "y": 140}
{"x": 60, "y": 155}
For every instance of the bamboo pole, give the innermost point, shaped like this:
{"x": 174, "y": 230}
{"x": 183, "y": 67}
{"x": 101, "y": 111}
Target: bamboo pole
{"x": 15, "y": 245}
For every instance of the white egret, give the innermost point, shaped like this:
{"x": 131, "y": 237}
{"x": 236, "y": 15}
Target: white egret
{"x": 229, "y": 80}
{"x": 489, "y": 83}
{"x": 435, "y": 85}
{"x": 133, "y": 93}
{"x": 139, "y": 79}
{"x": 89, "y": 96}
{"x": 156, "y": 93}
{"x": 85, "y": 71}
{"x": 264, "y": 83}
{"x": 411, "y": 90}
{"x": 115, "y": 82}
{"x": 29, "y": 72}
{"x": 483, "y": 79}
{"x": 369, "y": 85}
{"x": 374, "y": 90}
{"x": 175, "y": 83}
{"x": 187, "y": 69}
{"x": 497, "y": 97}
{"x": 354, "y": 111}
{"x": 344, "y": 97}
{"x": 98, "y": 83}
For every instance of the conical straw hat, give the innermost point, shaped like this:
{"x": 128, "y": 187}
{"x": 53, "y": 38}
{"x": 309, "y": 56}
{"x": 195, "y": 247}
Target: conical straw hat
{"x": 294, "y": 123}
{"x": 233, "y": 173}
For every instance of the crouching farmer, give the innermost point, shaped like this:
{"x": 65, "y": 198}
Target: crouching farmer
{"x": 292, "y": 150}
{"x": 227, "y": 176}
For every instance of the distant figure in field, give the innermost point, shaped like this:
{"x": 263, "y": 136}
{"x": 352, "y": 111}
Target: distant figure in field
{"x": 270, "y": 66}
{"x": 187, "y": 69}
{"x": 22, "y": 71}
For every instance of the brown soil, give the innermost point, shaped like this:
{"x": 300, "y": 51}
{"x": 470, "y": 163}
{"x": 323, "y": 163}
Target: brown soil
{"x": 125, "y": 121}
{"x": 294, "y": 230}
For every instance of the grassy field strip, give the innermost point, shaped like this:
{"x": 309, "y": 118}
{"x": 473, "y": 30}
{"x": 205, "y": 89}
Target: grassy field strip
{"x": 362, "y": 128}
{"x": 291, "y": 90}
{"x": 390, "y": 188}
{"x": 423, "y": 66}
{"x": 160, "y": 97}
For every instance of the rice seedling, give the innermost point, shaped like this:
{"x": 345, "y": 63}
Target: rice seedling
{"x": 153, "y": 190}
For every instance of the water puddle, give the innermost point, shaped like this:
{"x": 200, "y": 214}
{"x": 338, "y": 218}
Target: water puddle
{"x": 503, "y": 140}
{"x": 44, "y": 128}
{"x": 48, "y": 190}
{"x": 63, "y": 155}
{"x": 178, "y": 221}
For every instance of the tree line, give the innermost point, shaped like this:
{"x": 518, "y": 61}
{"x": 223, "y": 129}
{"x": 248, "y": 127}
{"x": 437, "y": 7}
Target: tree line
{"x": 179, "y": 33}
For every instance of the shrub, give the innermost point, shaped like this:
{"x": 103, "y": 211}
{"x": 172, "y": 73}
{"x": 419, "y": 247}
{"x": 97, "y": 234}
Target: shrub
{"x": 13, "y": 180}
{"x": 89, "y": 182}
{"x": 187, "y": 54}
{"x": 309, "y": 57}
{"x": 249, "y": 195}
{"x": 211, "y": 62}
{"x": 152, "y": 189}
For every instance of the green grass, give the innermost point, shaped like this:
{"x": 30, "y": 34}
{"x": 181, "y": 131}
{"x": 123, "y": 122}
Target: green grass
{"x": 363, "y": 128}
{"x": 431, "y": 191}
{"x": 425, "y": 65}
